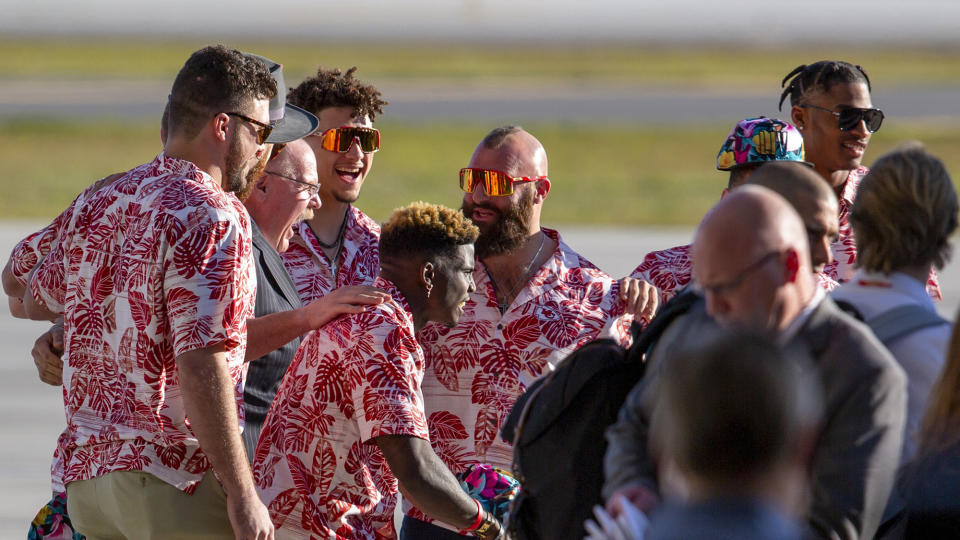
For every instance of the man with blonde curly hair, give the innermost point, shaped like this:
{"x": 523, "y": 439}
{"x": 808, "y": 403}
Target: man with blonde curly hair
{"x": 347, "y": 427}
{"x": 905, "y": 212}
{"x": 338, "y": 245}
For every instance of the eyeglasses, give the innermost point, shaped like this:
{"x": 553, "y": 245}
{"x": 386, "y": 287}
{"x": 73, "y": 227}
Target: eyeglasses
{"x": 495, "y": 183}
{"x": 263, "y": 130}
{"x": 313, "y": 189}
{"x": 341, "y": 139}
{"x": 851, "y": 117}
{"x": 721, "y": 288}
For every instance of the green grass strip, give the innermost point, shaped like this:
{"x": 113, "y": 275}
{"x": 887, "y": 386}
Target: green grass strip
{"x": 601, "y": 174}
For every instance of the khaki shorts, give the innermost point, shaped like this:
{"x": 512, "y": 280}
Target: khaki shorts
{"x": 134, "y": 504}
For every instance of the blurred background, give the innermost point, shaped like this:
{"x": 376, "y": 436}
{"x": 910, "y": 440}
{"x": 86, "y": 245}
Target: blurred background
{"x": 632, "y": 100}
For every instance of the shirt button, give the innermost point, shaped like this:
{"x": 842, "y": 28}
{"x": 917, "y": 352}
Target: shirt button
{"x": 500, "y": 326}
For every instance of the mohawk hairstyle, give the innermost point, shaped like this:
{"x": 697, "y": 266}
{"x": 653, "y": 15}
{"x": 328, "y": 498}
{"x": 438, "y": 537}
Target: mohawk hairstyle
{"x": 331, "y": 88}
{"x": 822, "y": 75}
{"x": 495, "y": 138}
{"x": 425, "y": 229}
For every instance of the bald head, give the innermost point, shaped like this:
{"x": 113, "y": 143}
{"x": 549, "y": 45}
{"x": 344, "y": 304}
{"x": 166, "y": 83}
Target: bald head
{"x": 750, "y": 256}
{"x": 516, "y": 149}
{"x": 506, "y": 222}
{"x": 812, "y": 198}
{"x": 295, "y": 158}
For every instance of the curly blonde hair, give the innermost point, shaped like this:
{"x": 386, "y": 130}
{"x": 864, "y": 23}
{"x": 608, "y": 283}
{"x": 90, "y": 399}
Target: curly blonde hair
{"x": 426, "y": 229}
{"x": 905, "y": 211}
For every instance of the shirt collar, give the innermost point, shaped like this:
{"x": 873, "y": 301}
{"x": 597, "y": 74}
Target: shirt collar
{"x": 801, "y": 319}
{"x": 910, "y": 286}
{"x": 849, "y": 192}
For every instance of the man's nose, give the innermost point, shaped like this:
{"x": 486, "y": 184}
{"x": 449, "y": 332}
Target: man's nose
{"x": 315, "y": 201}
{"x": 354, "y": 150}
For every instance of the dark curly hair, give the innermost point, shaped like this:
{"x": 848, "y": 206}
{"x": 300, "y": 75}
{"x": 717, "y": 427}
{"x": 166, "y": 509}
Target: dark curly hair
{"x": 215, "y": 79}
{"x": 822, "y": 75}
{"x": 331, "y": 88}
{"x": 425, "y": 229}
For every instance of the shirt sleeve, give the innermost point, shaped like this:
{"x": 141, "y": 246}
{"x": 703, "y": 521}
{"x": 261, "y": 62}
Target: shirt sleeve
{"x": 28, "y": 253}
{"x": 389, "y": 401}
{"x": 207, "y": 281}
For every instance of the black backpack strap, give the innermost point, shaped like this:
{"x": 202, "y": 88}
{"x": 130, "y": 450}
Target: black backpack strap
{"x": 902, "y": 320}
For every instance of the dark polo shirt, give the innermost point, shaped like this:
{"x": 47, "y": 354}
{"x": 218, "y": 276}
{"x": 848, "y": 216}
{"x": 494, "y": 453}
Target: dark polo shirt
{"x": 275, "y": 293}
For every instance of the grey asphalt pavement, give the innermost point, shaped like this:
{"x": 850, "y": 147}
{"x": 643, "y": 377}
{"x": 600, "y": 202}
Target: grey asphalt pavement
{"x": 33, "y": 411}
{"x": 428, "y": 101}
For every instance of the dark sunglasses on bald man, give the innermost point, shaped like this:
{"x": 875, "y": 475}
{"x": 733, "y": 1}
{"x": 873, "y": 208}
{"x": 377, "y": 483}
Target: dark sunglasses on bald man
{"x": 851, "y": 117}
{"x": 495, "y": 183}
{"x": 263, "y": 130}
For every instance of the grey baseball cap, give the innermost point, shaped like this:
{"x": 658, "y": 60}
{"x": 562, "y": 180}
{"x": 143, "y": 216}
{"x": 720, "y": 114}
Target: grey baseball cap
{"x": 289, "y": 121}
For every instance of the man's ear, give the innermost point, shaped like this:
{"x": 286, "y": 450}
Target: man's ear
{"x": 542, "y": 187}
{"x": 797, "y": 116}
{"x": 791, "y": 265}
{"x": 220, "y": 124}
{"x": 427, "y": 273}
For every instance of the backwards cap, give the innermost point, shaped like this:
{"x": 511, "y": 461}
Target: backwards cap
{"x": 757, "y": 140}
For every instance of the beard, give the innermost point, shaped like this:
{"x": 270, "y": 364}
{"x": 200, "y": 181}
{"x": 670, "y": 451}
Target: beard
{"x": 239, "y": 182}
{"x": 508, "y": 232}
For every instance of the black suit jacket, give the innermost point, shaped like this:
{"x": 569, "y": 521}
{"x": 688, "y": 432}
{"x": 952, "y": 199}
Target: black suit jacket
{"x": 275, "y": 293}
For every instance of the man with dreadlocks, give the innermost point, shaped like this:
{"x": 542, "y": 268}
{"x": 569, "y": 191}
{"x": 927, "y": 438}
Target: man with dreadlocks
{"x": 338, "y": 246}
{"x": 831, "y": 107}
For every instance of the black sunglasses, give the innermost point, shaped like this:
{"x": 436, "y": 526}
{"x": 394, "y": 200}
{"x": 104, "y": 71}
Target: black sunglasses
{"x": 263, "y": 130}
{"x": 850, "y": 118}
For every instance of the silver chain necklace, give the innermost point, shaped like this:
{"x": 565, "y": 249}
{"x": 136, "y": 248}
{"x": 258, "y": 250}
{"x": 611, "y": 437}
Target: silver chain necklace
{"x": 503, "y": 302}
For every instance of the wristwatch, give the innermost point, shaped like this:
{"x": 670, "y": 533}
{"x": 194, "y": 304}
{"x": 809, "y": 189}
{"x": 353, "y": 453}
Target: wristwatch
{"x": 488, "y": 523}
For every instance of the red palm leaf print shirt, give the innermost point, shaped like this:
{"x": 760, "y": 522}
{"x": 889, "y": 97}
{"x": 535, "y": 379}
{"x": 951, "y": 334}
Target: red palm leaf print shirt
{"x": 354, "y": 379}
{"x": 153, "y": 266}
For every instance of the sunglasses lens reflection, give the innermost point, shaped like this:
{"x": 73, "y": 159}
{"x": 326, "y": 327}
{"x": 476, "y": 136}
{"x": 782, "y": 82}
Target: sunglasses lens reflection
{"x": 340, "y": 139}
{"x": 495, "y": 184}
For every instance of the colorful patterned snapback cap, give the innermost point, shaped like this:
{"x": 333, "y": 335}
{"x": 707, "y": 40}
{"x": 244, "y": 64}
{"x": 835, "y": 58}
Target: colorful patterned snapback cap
{"x": 757, "y": 140}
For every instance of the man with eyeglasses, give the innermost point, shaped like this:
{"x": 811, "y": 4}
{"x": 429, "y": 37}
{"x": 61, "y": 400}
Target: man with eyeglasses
{"x": 154, "y": 280}
{"x": 536, "y": 300}
{"x": 752, "y": 265}
{"x": 338, "y": 245}
{"x": 284, "y": 195}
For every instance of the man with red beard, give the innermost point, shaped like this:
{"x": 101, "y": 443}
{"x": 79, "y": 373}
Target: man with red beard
{"x": 536, "y": 300}
{"x": 338, "y": 245}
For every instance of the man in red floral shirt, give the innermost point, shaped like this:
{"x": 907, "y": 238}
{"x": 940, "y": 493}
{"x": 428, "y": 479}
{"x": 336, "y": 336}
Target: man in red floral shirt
{"x": 347, "y": 428}
{"x": 830, "y": 104}
{"x": 154, "y": 279}
{"x": 338, "y": 245}
{"x": 536, "y": 300}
